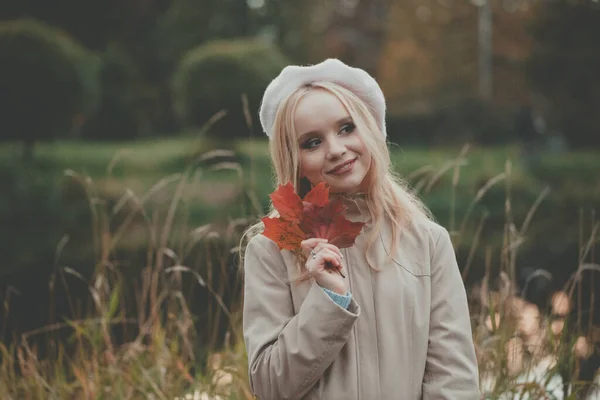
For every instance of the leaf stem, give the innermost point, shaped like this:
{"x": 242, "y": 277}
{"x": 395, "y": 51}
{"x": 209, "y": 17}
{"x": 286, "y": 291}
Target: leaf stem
{"x": 330, "y": 266}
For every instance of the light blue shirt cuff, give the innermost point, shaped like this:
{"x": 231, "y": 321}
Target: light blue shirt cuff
{"x": 342, "y": 301}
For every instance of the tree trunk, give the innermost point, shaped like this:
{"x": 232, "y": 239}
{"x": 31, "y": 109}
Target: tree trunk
{"x": 485, "y": 50}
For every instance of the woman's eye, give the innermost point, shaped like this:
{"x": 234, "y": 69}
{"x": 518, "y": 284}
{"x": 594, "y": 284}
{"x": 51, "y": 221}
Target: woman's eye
{"x": 348, "y": 128}
{"x": 310, "y": 143}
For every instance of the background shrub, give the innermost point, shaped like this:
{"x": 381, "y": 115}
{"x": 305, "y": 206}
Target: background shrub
{"x": 462, "y": 120}
{"x": 117, "y": 116}
{"x": 214, "y": 76}
{"x": 563, "y": 68}
{"x": 48, "y": 82}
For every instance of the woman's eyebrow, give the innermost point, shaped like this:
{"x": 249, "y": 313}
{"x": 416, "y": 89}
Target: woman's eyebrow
{"x": 304, "y": 136}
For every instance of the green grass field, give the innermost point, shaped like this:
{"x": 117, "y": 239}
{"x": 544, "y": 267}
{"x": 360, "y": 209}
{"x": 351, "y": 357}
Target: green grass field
{"x": 115, "y": 167}
{"x": 447, "y": 178}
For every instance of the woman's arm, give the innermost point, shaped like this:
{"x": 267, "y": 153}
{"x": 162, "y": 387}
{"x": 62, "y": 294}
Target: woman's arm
{"x": 451, "y": 368}
{"x": 287, "y": 353}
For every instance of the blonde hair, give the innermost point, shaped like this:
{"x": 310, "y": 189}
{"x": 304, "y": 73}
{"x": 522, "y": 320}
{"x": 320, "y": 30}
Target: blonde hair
{"x": 387, "y": 194}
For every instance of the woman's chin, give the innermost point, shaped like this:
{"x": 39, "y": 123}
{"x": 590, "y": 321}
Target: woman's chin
{"x": 344, "y": 189}
{"x": 347, "y": 185}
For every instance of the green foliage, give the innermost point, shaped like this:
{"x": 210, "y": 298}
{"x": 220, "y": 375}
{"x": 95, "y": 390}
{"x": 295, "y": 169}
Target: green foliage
{"x": 457, "y": 121}
{"x": 182, "y": 27}
{"x": 117, "y": 117}
{"x": 37, "y": 209}
{"x": 30, "y": 206}
{"x": 187, "y": 24}
{"x": 213, "y": 77}
{"x": 48, "y": 81}
{"x": 564, "y": 66}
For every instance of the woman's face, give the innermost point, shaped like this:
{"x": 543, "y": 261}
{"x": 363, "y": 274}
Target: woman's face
{"x": 330, "y": 149}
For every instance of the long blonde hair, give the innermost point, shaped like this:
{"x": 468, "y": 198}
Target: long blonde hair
{"x": 387, "y": 195}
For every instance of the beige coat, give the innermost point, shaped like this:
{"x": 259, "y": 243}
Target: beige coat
{"x": 406, "y": 334}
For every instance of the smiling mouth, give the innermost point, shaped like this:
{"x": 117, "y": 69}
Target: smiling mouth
{"x": 342, "y": 167}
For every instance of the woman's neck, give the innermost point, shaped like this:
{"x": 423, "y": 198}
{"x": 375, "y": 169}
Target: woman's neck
{"x": 356, "y": 204}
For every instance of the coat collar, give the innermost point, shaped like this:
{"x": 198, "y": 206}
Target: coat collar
{"x": 357, "y": 209}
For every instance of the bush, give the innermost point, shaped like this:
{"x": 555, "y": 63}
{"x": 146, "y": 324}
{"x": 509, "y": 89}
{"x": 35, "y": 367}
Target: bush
{"x": 117, "y": 117}
{"x": 563, "y": 68}
{"x": 214, "y": 76}
{"x": 48, "y": 81}
{"x": 35, "y": 217}
{"x": 459, "y": 121}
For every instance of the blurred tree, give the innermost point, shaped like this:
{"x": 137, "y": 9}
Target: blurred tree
{"x": 296, "y": 27}
{"x": 354, "y": 31}
{"x": 92, "y": 22}
{"x": 429, "y": 54}
{"x": 184, "y": 25}
{"x": 432, "y": 52}
{"x": 187, "y": 24}
{"x": 48, "y": 82}
{"x": 445, "y": 78}
{"x": 155, "y": 34}
{"x": 97, "y": 24}
{"x": 214, "y": 76}
{"x": 564, "y": 66}
{"x": 118, "y": 115}
{"x": 512, "y": 43}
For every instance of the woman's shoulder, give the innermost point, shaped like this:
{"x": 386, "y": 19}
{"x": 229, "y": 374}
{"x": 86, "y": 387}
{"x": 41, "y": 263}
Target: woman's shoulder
{"x": 262, "y": 254}
{"x": 260, "y": 243}
{"x": 415, "y": 244}
{"x": 426, "y": 229}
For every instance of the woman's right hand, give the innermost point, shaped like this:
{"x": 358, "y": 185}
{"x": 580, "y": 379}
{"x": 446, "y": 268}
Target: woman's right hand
{"x": 317, "y": 266}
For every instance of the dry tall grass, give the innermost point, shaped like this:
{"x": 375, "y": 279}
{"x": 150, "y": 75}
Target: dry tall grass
{"x": 163, "y": 360}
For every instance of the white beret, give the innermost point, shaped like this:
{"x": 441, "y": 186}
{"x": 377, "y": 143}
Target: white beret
{"x": 333, "y": 70}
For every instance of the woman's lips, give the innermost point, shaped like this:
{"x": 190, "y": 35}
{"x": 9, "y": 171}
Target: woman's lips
{"x": 343, "y": 168}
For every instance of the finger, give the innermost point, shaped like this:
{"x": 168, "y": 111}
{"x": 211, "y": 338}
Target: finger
{"x": 327, "y": 255}
{"x": 319, "y": 259}
{"x": 325, "y": 245}
{"x": 323, "y": 263}
{"x": 310, "y": 244}
{"x": 334, "y": 262}
{"x": 331, "y": 247}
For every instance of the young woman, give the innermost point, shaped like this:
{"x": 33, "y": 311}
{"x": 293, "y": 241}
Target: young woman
{"x": 395, "y": 323}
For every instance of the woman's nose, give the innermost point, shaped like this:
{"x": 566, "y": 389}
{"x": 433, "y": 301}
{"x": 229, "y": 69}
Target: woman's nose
{"x": 336, "y": 148}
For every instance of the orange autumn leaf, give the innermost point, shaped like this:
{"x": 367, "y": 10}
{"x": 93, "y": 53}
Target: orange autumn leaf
{"x": 318, "y": 196}
{"x": 328, "y": 222}
{"x": 313, "y": 216}
{"x": 286, "y": 234}
{"x": 287, "y": 202}
{"x": 340, "y": 232}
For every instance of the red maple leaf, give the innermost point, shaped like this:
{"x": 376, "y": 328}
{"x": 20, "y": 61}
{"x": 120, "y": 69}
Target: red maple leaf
{"x": 287, "y": 202}
{"x": 318, "y": 196}
{"x": 313, "y": 216}
{"x": 286, "y": 234}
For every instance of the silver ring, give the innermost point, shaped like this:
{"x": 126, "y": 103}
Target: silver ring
{"x": 313, "y": 253}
